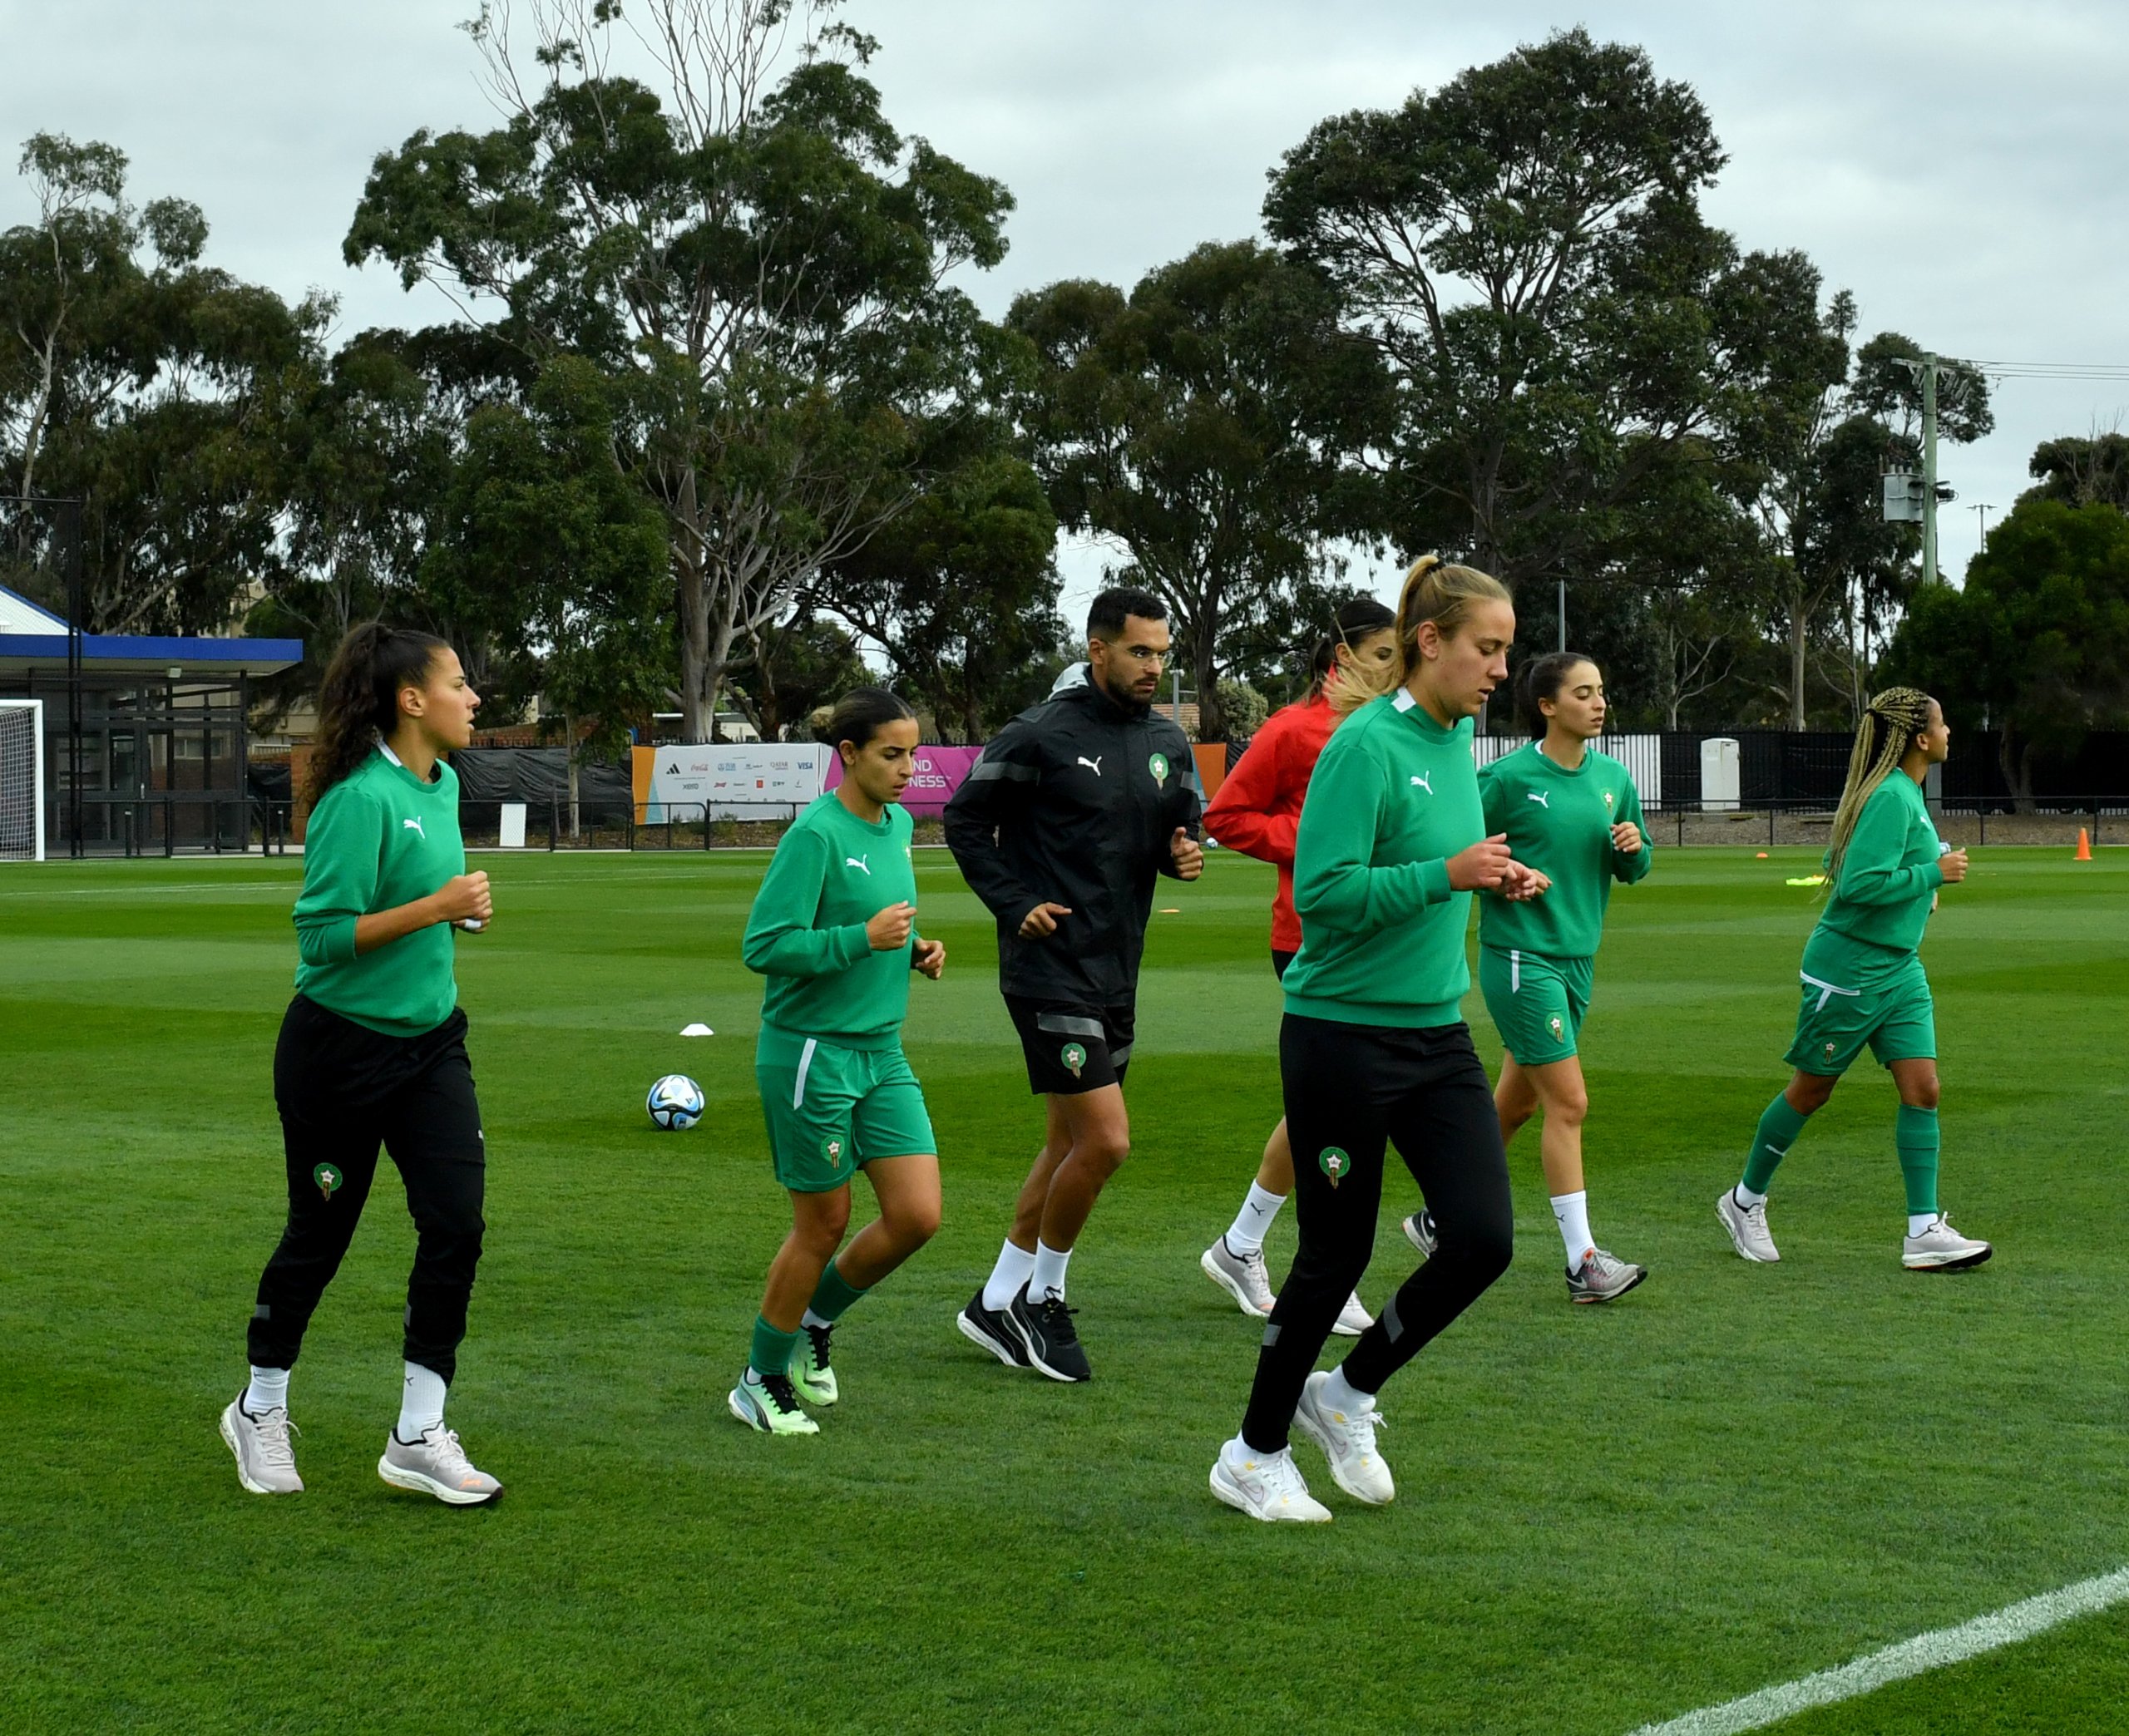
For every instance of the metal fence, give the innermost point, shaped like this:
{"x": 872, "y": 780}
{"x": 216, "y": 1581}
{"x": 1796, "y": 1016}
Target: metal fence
{"x": 166, "y": 822}
{"x": 1971, "y": 822}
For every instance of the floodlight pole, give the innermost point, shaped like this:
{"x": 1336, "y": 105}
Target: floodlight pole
{"x": 1563, "y": 591}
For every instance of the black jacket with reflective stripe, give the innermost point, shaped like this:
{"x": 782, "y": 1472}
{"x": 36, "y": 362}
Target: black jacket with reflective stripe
{"x": 1075, "y": 803}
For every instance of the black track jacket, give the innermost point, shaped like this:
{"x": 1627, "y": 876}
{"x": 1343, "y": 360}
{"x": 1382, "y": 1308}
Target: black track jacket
{"x": 1075, "y": 803}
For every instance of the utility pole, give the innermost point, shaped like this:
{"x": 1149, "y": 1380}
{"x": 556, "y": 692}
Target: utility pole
{"x": 1563, "y": 587}
{"x": 1928, "y": 468}
{"x": 1984, "y": 508}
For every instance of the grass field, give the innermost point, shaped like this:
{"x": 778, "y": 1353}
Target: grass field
{"x": 1737, "y": 1475}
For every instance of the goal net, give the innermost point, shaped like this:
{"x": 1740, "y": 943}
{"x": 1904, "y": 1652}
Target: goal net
{"x": 21, "y": 785}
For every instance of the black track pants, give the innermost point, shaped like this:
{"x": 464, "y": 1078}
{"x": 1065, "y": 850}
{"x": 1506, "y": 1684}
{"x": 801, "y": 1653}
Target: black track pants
{"x": 342, "y": 1089}
{"x": 1350, "y": 1089}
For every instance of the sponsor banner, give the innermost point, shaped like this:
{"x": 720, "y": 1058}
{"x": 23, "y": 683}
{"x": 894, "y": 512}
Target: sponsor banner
{"x": 939, "y": 771}
{"x": 729, "y": 780}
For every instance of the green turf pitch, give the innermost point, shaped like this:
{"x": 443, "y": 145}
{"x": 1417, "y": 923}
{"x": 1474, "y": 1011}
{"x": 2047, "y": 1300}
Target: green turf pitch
{"x": 1735, "y": 1476}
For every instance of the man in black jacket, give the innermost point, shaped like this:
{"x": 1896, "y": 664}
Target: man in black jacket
{"x": 1061, "y": 828}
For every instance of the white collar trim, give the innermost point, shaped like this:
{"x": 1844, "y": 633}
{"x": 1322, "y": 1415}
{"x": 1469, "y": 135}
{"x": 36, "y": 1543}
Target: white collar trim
{"x": 384, "y": 747}
{"x": 1403, "y": 700}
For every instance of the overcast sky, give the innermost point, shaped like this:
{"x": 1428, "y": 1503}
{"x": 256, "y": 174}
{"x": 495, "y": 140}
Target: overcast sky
{"x": 1956, "y": 165}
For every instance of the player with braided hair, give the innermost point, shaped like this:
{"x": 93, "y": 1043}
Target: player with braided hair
{"x": 1863, "y": 981}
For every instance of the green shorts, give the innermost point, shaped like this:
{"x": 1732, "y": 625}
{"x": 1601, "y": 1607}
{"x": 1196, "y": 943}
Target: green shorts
{"x": 1536, "y": 1003}
{"x": 1850, "y": 999}
{"x": 830, "y": 1109}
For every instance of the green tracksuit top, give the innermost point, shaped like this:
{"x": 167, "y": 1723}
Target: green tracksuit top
{"x": 380, "y": 838}
{"x": 830, "y": 875}
{"x": 1560, "y": 823}
{"x": 1394, "y": 796}
{"x": 1889, "y": 873}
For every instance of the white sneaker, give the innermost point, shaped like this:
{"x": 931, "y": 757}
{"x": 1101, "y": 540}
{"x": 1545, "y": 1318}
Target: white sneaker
{"x": 1353, "y": 1319}
{"x": 436, "y": 1465}
{"x": 1347, "y": 1441}
{"x": 1420, "y": 1232}
{"x": 1240, "y": 1275}
{"x": 1940, "y": 1248}
{"x": 266, "y": 1461}
{"x": 1747, "y": 1227}
{"x": 1266, "y": 1486}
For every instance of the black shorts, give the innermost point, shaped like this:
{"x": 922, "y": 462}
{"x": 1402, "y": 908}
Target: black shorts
{"x": 1072, "y": 1049}
{"x": 1280, "y": 960}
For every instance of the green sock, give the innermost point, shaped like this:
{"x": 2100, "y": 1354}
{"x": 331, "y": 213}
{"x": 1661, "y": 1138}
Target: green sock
{"x": 1915, "y": 1132}
{"x": 1777, "y": 1132}
{"x": 770, "y": 1353}
{"x": 833, "y": 1295}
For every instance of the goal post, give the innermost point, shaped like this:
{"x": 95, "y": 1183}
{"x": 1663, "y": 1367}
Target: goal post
{"x": 22, "y": 780}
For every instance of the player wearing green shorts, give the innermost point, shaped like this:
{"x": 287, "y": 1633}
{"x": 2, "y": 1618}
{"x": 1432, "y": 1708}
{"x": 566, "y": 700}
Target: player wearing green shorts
{"x": 1863, "y": 982}
{"x": 1572, "y": 814}
{"x": 833, "y": 929}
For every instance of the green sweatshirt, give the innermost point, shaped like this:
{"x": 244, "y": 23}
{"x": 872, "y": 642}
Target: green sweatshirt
{"x": 1560, "y": 823}
{"x": 381, "y": 838}
{"x": 1394, "y": 796}
{"x": 1889, "y": 873}
{"x": 831, "y": 875}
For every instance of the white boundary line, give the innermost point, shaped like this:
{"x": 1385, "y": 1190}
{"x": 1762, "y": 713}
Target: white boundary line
{"x": 1925, "y": 1652}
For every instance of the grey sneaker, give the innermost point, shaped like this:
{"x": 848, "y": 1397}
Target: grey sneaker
{"x": 1419, "y": 1232}
{"x": 1747, "y": 1227}
{"x": 265, "y": 1461}
{"x": 1940, "y": 1248}
{"x": 436, "y": 1465}
{"x": 1240, "y": 1275}
{"x": 1353, "y": 1318}
{"x": 1602, "y": 1277}
{"x": 811, "y": 1377}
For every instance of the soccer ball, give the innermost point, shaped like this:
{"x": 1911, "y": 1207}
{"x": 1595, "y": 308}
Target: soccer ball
{"x": 675, "y": 1101}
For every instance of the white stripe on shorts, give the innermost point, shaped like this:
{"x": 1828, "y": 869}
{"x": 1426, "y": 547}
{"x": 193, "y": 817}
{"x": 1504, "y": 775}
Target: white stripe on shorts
{"x": 805, "y": 1061}
{"x": 1515, "y": 972}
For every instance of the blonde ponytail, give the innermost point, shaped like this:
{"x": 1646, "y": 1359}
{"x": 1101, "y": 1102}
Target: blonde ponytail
{"x": 1434, "y": 590}
{"x": 1894, "y": 719}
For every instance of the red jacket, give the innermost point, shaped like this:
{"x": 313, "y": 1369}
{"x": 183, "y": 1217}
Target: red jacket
{"x": 1258, "y": 810}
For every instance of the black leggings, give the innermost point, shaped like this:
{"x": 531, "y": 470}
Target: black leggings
{"x": 342, "y": 1089}
{"x": 1350, "y": 1089}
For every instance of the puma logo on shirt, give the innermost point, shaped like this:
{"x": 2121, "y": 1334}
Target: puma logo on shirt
{"x": 859, "y": 862}
{"x": 1093, "y": 765}
{"x": 415, "y": 826}
{"x": 1544, "y": 798}
{"x": 1424, "y": 781}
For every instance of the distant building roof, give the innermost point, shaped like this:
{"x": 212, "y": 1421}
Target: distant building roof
{"x": 19, "y": 614}
{"x": 31, "y": 637}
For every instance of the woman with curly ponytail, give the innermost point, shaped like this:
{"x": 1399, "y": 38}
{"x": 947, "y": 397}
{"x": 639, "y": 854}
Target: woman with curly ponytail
{"x": 373, "y": 1052}
{"x": 1863, "y": 980}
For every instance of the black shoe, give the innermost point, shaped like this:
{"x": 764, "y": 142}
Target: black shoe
{"x": 980, "y": 1325}
{"x": 1047, "y": 1334}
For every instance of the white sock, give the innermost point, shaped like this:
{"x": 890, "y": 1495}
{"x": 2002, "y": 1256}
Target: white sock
{"x": 1571, "y": 1212}
{"x": 1748, "y": 1199}
{"x": 1246, "y": 1235}
{"x": 1339, "y": 1394}
{"x": 421, "y": 1403}
{"x": 269, "y": 1391}
{"x": 1916, "y": 1222}
{"x": 1006, "y": 1277}
{"x": 810, "y": 1318}
{"x": 1047, "y": 1277}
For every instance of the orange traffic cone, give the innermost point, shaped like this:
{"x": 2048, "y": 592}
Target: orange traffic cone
{"x": 2084, "y": 845}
